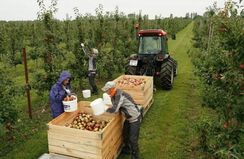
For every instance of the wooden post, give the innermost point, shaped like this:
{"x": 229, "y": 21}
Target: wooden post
{"x": 27, "y": 86}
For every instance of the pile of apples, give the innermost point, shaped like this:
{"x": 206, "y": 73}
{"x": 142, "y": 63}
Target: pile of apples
{"x": 69, "y": 98}
{"x": 131, "y": 82}
{"x": 85, "y": 121}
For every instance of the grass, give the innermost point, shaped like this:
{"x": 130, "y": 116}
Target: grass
{"x": 167, "y": 129}
{"x": 32, "y": 148}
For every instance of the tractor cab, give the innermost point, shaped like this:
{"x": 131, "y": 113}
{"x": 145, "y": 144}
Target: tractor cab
{"x": 152, "y": 47}
{"x": 152, "y": 42}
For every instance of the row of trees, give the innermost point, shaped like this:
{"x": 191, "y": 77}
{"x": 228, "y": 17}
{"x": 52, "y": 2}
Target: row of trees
{"x": 219, "y": 37}
{"x": 50, "y": 39}
{"x": 54, "y": 45}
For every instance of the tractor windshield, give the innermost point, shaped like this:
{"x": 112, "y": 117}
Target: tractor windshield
{"x": 150, "y": 45}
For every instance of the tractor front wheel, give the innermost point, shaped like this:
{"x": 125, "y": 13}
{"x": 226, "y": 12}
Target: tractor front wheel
{"x": 167, "y": 75}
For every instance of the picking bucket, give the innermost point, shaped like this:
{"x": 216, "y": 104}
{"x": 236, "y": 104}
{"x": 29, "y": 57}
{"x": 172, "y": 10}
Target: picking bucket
{"x": 70, "y": 106}
{"x": 107, "y": 99}
{"x": 86, "y": 93}
{"x": 98, "y": 106}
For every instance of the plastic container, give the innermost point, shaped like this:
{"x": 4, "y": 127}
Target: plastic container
{"x": 98, "y": 106}
{"x": 86, "y": 93}
{"x": 70, "y": 106}
{"x": 107, "y": 99}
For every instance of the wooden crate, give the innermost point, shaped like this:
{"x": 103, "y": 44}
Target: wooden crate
{"x": 83, "y": 143}
{"x": 146, "y": 107}
{"x": 141, "y": 94}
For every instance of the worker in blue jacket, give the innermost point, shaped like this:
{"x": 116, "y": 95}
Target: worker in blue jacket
{"x": 58, "y": 92}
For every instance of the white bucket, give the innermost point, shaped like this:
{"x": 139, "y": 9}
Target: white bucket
{"x": 107, "y": 99}
{"x": 98, "y": 106}
{"x": 70, "y": 106}
{"x": 86, "y": 93}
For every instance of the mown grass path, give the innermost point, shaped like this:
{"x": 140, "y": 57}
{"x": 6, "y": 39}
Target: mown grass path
{"x": 167, "y": 129}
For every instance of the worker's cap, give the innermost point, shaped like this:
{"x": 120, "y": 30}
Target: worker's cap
{"x": 108, "y": 85}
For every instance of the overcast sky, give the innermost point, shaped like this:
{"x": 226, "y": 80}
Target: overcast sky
{"x": 27, "y": 9}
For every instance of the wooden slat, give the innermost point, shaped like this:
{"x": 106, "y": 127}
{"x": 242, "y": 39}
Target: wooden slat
{"x": 139, "y": 94}
{"x": 71, "y": 152}
{"x": 63, "y": 118}
{"x": 147, "y": 107}
{"x": 110, "y": 142}
{"x": 144, "y": 100}
{"x": 114, "y": 149}
{"x": 55, "y": 156}
{"x": 67, "y": 144}
{"x": 112, "y": 138}
{"x": 83, "y": 141}
{"x": 147, "y": 102}
{"x": 111, "y": 145}
{"x": 112, "y": 127}
{"x": 75, "y": 132}
{"x": 133, "y": 92}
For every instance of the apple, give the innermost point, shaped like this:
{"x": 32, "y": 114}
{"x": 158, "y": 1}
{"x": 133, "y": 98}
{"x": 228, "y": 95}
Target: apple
{"x": 242, "y": 66}
{"x": 85, "y": 121}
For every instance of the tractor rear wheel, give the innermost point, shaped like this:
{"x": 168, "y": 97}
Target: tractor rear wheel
{"x": 174, "y": 63}
{"x": 167, "y": 75}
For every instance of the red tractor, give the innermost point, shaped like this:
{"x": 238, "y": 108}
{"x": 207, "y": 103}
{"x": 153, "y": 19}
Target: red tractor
{"x": 153, "y": 58}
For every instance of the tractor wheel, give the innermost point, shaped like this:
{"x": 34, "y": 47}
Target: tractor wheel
{"x": 130, "y": 70}
{"x": 175, "y": 65}
{"x": 167, "y": 75}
